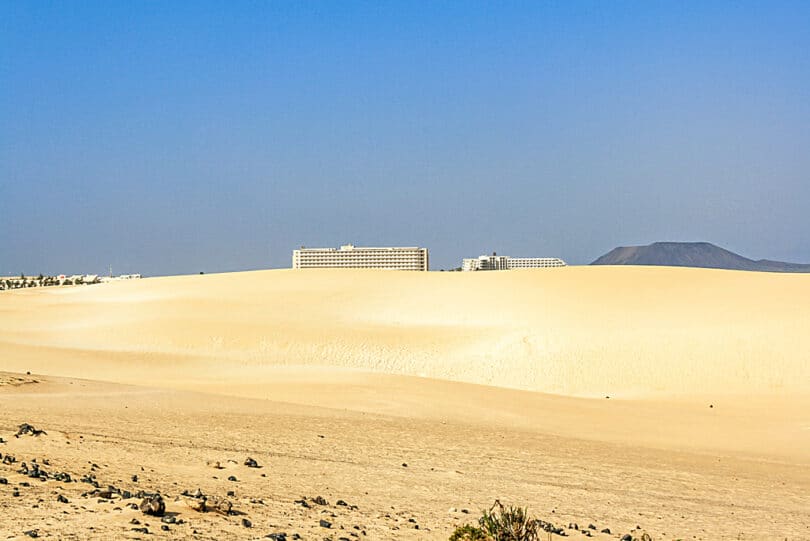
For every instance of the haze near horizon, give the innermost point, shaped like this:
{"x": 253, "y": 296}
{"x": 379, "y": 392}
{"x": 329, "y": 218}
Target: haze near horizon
{"x": 169, "y": 139}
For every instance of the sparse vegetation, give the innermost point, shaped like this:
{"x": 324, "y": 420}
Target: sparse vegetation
{"x": 469, "y": 533}
{"x": 508, "y": 523}
{"x": 500, "y": 523}
{"x": 47, "y": 281}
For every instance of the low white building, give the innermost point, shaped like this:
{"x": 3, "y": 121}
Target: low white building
{"x": 353, "y": 257}
{"x": 106, "y": 279}
{"x": 504, "y": 262}
{"x": 485, "y": 262}
{"x": 534, "y": 262}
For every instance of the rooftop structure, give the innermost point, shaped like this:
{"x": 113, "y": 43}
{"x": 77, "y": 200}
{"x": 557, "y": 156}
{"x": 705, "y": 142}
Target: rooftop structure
{"x": 504, "y": 262}
{"x": 353, "y": 257}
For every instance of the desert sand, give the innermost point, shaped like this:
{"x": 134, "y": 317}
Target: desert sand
{"x": 670, "y": 399}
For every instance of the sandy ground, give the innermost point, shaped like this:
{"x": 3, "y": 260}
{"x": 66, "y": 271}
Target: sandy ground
{"x": 334, "y": 380}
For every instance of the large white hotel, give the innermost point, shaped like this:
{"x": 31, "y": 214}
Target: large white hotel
{"x": 504, "y": 262}
{"x": 353, "y": 257}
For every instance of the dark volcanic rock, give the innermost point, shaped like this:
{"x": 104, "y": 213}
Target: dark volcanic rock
{"x": 25, "y": 428}
{"x": 325, "y": 523}
{"x": 153, "y": 505}
{"x": 90, "y": 479}
{"x": 63, "y": 476}
{"x": 219, "y": 505}
{"x": 196, "y": 494}
{"x": 550, "y": 528}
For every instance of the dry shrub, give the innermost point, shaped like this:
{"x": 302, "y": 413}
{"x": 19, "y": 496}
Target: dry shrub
{"x": 500, "y": 523}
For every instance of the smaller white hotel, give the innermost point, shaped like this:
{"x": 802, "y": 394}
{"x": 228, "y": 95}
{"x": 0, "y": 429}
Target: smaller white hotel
{"x": 353, "y": 257}
{"x": 504, "y": 262}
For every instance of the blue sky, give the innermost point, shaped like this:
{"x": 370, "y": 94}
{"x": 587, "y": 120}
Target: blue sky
{"x": 178, "y": 137}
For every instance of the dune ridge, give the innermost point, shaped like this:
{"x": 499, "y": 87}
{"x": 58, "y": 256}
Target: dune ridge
{"x": 316, "y": 374}
{"x": 578, "y": 331}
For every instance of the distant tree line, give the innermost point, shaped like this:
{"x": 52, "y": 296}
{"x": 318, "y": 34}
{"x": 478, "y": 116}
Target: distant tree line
{"x": 45, "y": 281}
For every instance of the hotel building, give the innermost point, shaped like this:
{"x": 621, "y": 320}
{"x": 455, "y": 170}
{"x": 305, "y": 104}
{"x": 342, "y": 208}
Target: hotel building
{"x": 353, "y": 257}
{"x": 504, "y": 262}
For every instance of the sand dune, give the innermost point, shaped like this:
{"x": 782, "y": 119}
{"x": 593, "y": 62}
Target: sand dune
{"x": 577, "y": 331}
{"x": 395, "y": 468}
{"x": 488, "y": 385}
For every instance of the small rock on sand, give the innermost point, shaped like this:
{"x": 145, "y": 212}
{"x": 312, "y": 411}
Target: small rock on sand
{"x": 197, "y": 504}
{"x": 153, "y": 505}
{"x": 25, "y": 428}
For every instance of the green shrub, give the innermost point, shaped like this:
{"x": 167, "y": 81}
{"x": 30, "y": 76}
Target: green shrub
{"x": 469, "y": 533}
{"x": 508, "y": 523}
{"x": 500, "y": 523}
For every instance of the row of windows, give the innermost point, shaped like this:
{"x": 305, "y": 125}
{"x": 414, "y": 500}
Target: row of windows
{"x": 393, "y": 267}
{"x": 363, "y": 250}
{"x": 360, "y": 258}
{"x": 414, "y": 256}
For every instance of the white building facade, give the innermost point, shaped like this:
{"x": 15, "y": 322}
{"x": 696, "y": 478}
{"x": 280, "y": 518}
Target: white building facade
{"x": 503, "y": 262}
{"x": 485, "y": 262}
{"x": 534, "y": 262}
{"x": 353, "y": 257}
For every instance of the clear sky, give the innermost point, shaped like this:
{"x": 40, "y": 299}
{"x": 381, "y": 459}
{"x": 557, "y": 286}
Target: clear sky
{"x": 178, "y": 137}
